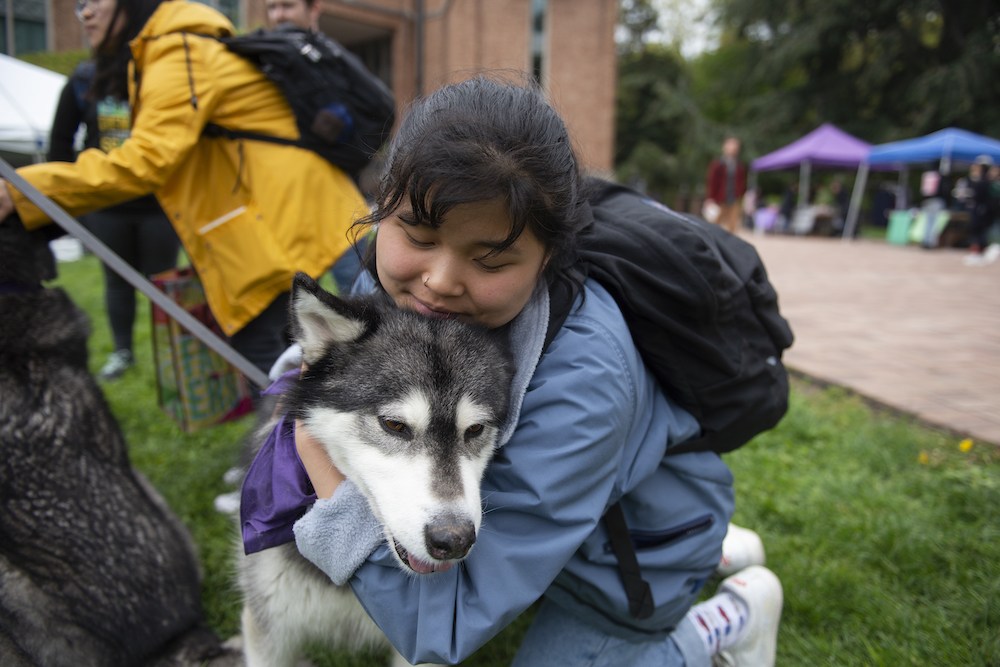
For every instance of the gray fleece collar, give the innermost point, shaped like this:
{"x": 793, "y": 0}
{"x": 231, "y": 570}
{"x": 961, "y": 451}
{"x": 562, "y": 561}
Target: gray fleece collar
{"x": 527, "y": 335}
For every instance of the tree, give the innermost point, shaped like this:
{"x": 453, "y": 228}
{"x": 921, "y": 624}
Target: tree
{"x": 663, "y": 140}
{"x": 881, "y": 69}
{"x": 636, "y": 20}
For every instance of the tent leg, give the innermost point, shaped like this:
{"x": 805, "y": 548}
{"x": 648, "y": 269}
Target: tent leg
{"x": 805, "y": 169}
{"x": 902, "y": 201}
{"x": 855, "y": 208}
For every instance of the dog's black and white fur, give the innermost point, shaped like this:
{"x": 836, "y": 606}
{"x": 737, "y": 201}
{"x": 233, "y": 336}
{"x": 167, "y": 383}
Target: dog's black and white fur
{"x": 94, "y": 567}
{"x": 409, "y": 409}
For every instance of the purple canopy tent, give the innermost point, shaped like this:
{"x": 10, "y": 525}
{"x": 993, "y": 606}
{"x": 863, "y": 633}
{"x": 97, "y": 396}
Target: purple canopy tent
{"x": 826, "y": 146}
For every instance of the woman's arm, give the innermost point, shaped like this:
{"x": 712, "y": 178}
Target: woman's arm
{"x": 65, "y": 124}
{"x": 166, "y": 127}
{"x": 324, "y": 476}
{"x": 544, "y": 494}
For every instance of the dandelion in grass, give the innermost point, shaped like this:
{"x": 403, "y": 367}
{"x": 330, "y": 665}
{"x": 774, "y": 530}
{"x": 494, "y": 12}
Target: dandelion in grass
{"x": 965, "y": 445}
{"x": 924, "y": 458}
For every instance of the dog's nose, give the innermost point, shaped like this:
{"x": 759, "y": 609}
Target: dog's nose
{"x": 449, "y": 540}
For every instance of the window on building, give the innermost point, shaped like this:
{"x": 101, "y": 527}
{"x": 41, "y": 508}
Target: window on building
{"x": 539, "y": 8}
{"x": 370, "y": 43}
{"x": 27, "y": 24}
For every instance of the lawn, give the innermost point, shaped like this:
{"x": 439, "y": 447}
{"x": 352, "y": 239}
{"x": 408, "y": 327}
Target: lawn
{"x": 885, "y": 534}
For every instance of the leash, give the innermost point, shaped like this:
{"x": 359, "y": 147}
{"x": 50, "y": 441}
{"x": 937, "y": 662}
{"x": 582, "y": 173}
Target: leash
{"x": 133, "y": 277}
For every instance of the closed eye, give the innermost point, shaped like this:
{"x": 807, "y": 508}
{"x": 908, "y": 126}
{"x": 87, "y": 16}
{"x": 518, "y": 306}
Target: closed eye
{"x": 416, "y": 242}
{"x": 487, "y": 268}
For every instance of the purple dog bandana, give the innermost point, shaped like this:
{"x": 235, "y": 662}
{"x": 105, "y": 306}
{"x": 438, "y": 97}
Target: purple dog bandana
{"x": 276, "y": 490}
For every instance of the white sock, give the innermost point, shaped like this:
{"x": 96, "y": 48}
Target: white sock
{"x": 720, "y": 621}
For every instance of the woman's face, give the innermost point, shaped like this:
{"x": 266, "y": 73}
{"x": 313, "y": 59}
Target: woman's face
{"x": 448, "y": 271}
{"x": 96, "y": 16}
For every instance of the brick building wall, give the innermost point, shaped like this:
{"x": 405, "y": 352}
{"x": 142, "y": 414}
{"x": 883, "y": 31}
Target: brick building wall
{"x": 461, "y": 38}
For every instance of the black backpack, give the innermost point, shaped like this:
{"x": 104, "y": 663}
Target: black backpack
{"x": 343, "y": 112}
{"x": 704, "y": 318}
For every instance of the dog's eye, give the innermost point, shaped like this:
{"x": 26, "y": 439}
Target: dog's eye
{"x": 393, "y": 426}
{"x": 473, "y": 430}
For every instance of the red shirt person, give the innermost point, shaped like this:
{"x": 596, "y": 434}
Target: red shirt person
{"x": 725, "y": 185}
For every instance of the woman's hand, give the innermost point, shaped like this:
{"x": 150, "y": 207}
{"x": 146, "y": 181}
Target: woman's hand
{"x": 325, "y": 476}
{"x": 6, "y": 200}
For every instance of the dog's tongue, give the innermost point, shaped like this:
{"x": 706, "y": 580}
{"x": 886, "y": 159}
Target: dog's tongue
{"x": 420, "y": 567}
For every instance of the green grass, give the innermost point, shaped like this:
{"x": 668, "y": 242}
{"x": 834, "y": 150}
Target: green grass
{"x": 63, "y": 62}
{"x": 885, "y": 534}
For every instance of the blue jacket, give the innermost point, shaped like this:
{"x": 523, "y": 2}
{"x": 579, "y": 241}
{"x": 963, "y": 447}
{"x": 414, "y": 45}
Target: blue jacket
{"x": 593, "y": 428}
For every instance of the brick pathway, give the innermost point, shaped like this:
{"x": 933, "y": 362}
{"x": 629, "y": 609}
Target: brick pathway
{"x": 910, "y": 328}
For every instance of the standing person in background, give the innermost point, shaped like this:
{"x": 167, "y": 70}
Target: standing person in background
{"x": 726, "y": 183}
{"x": 938, "y": 193}
{"x": 249, "y": 213}
{"x": 982, "y": 211}
{"x": 304, "y": 15}
{"x": 841, "y": 204}
{"x": 137, "y": 230}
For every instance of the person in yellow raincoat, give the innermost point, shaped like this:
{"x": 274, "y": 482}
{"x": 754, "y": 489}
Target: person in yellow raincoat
{"x": 249, "y": 213}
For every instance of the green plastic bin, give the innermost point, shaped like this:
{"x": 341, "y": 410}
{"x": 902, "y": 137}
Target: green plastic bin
{"x": 898, "y": 232}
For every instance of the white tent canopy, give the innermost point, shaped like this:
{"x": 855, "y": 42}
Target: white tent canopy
{"x": 28, "y": 99}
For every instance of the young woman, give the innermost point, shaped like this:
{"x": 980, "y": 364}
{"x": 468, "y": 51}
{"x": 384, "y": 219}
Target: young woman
{"x": 249, "y": 213}
{"x": 137, "y": 230}
{"x": 478, "y": 214}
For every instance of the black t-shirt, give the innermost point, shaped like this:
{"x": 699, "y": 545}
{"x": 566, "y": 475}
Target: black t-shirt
{"x": 108, "y": 124}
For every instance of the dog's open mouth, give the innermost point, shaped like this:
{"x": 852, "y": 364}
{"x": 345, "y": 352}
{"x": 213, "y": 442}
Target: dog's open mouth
{"x": 417, "y": 565}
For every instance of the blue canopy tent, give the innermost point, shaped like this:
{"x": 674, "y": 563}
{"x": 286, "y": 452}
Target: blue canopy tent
{"x": 946, "y": 146}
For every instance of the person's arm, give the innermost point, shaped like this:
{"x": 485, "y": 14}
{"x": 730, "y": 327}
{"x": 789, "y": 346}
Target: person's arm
{"x": 167, "y": 126}
{"x": 325, "y": 476}
{"x": 64, "y": 125}
{"x": 545, "y": 492}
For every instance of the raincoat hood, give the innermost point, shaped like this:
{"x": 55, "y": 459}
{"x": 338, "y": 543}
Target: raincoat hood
{"x": 180, "y": 16}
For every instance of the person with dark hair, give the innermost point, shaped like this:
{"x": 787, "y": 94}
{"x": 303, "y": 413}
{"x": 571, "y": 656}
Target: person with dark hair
{"x": 137, "y": 231}
{"x": 981, "y": 214}
{"x": 725, "y": 185}
{"x": 303, "y": 14}
{"x": 478, "y": 216}
{"x": 249, "y": 213}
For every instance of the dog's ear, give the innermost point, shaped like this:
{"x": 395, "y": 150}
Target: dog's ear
{"x": 320, "y": 319}
{"x": 25, "y": 256}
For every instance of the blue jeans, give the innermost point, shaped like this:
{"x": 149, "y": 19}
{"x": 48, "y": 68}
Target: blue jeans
{"x": 558, "y": 638}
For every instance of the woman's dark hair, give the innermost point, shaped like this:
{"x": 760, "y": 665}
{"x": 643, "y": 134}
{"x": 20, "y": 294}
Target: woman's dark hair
{"x": 486, "y": 139}
{"x": 111, "y": 56}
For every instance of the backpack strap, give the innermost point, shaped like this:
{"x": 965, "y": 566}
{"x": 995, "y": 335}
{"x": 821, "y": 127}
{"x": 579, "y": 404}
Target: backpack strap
{"x": 213, "y": 131}
{"x": 640, "y": 597}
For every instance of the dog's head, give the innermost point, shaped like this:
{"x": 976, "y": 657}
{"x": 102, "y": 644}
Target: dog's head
{"x": 25, "y": 258}
{"x": 409, "y": 409}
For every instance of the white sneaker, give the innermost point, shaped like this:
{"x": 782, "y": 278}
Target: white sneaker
{"x": 234, "y": 476}
{"x": 974, "y": 259}
{"x": 741, "y": 548}
{"x": 228, "y": 503}
{"x": 760, "y": 590}
{"x": 992, "y": 253}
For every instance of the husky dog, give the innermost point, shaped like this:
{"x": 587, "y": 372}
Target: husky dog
{"x": 409, "y": 409}
{"x": 94, "y": 567}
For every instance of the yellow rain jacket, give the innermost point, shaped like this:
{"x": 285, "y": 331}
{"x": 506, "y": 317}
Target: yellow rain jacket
{"x": 250, "y": 213}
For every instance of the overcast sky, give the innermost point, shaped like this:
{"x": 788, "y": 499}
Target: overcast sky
{"x": 689, "y": 24}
